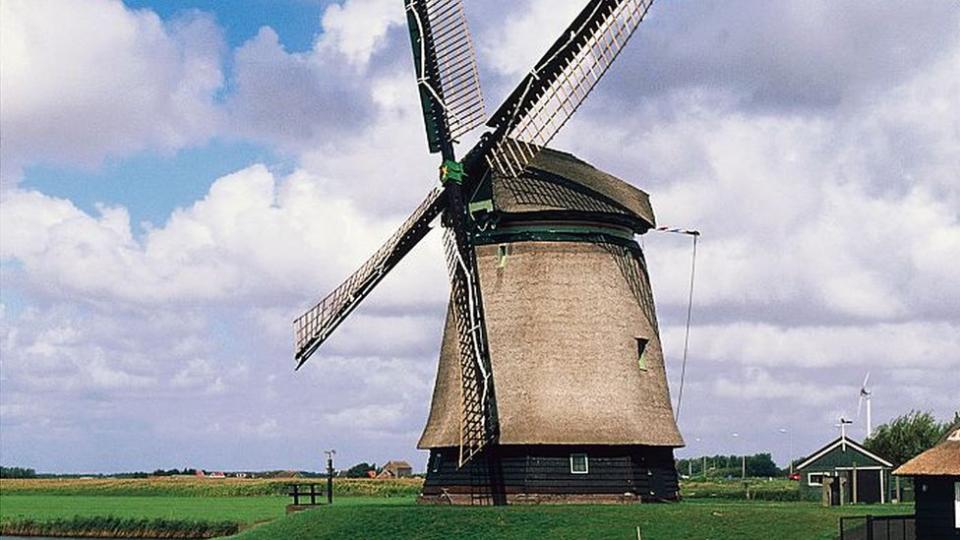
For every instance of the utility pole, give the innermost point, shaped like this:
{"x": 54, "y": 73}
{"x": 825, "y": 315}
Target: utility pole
{"x": 704, "y": 466}
{"x": 789, "y": 435}
{"x": 743, "y": 460}
{"x": 330, "y": 454}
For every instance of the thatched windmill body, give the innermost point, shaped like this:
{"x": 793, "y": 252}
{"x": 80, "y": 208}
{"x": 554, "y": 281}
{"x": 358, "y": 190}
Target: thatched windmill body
{"x": 551, "y": 384}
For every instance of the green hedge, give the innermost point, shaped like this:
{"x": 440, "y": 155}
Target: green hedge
{"x": 113, "y": 527}
{"x": 759, "y": 490}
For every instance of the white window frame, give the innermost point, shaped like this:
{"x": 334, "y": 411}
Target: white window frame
{"x": 810, "y": 476}
{"x": 586, "y": 463}
{"x": 956, "y": 504}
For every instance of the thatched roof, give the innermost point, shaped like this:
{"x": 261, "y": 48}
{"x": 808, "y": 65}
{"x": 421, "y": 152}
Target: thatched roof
{"x": 941, "y": 460}
{"x": 562, "y": 319}
{"x": 558, "y": 182}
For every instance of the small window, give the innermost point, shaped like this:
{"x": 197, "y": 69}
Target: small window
{"x": 815, "y": 479}
{"x": 579, "y": 464}
{"x": 956, "y": 504}
{"x": 642, "y": 352}
{"x": 436, "y": 461}
{"x": 502, "y": 252}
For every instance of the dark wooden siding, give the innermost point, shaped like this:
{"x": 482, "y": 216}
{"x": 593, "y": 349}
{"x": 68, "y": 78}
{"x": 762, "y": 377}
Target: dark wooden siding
{"x": 643, "y": 471}
{"x": 935, "y": 507}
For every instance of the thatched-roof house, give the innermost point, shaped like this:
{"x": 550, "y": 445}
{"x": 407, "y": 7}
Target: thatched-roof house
{"x": 395, "y": 469}
{"x": 581, "y": 392}
{"x": 936, "y": 479}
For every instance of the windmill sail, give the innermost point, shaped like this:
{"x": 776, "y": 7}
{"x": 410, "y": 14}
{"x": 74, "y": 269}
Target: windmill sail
{"x": 478, "y": 417}
{"x": 313, "y": 327}
{"x": 446, "y": 67}
{"x": 550, "y": 94}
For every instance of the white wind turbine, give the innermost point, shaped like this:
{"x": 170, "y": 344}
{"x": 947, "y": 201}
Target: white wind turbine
{"x": 865, "y": 395}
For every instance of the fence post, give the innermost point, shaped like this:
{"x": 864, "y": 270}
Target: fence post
{"x": 296, "y": 494}
{"x": 313, "y": 494}
{"x": 869, "y": 527}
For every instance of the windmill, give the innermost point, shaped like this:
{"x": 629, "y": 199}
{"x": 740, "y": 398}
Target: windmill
{"x": 865, "y": 395}
{"x": 550, "y": 384}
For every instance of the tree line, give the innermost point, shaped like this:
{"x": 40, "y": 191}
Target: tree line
{"x": 897, "y": 441}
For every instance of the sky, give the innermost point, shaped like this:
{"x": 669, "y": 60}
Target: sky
{"x": 179, "y": 180}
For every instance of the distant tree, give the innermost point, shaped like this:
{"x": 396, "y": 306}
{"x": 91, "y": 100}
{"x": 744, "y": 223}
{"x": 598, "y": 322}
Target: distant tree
{"x": 762, "y": 465}
{"x": 17, "y": 472}
{"x": 905, "y": 436}
{"x": 360, "y": 470}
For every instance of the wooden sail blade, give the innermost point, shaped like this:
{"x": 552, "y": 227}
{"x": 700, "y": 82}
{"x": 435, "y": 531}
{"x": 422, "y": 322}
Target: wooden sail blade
{"x": 550, "y": 94}
{"x": 447, "y": 73}
{"x": 478, "y": 408}
{"x": 313, "y": 327}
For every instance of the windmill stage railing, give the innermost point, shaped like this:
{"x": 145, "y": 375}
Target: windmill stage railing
{"x": 313, "y": 327}
{"x": 553, "y": 90}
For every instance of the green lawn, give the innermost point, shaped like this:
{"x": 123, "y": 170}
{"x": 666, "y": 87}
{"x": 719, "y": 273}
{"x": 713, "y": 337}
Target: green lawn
{"x": 699, "y": 520}
{"x": 400, "y": 517}
{"x": 244, "y": 510}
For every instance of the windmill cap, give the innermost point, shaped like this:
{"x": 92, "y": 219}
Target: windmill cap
{"x": 559, "y": 183}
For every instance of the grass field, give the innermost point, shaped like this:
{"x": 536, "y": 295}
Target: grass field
{"x": 188, "y": 486}
{"x": 389, "y": 515}
{"x": 694, "y": 520}
{"x": 244, "y": 510}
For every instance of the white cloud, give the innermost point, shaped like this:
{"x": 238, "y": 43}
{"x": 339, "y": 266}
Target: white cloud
{"x": 251, "y": 239}
{"x": 758, "y": 384}
{"x": 916, "y": 344}
{"x": 358, "y": 28}
{"x": 86, "y": 80}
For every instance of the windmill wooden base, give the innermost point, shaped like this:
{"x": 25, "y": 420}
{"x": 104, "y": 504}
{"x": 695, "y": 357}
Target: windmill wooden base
{"x": 543, "y": 475}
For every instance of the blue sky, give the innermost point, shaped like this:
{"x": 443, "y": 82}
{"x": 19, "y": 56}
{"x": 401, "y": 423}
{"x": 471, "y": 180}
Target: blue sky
{"x": 295, "y": 21}
{"x": 178, "y": 180}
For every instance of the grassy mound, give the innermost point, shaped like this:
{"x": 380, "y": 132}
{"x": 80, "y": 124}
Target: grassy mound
{"x": 688, "y": 520}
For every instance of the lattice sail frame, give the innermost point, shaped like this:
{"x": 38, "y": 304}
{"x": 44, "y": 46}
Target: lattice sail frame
{"x": 447, "y": 65}
{"x": 556, "y": 87}
{"x": 313, "y": 327}
{"x": 476, "y": 419}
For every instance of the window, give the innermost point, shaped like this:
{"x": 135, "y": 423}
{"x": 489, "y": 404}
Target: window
{"x": 579, "y": 464}
{"x": 502, "y": 252}
{"x": 641, "y": 352}
{"x": 436, "y": 461}
{"x": 956, "y": 504}
{"x": 815, "y": 478}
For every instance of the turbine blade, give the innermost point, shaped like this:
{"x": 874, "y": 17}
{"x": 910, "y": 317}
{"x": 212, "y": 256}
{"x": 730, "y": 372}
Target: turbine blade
{"x": 478, "y": 420}
{"x": 446, "y": 66}
{"x": 548, "y": 96}
{"x": 313, "y": 327}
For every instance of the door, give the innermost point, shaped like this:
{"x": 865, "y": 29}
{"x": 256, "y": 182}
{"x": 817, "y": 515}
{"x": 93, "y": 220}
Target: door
{"x": 868, "y": 486}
